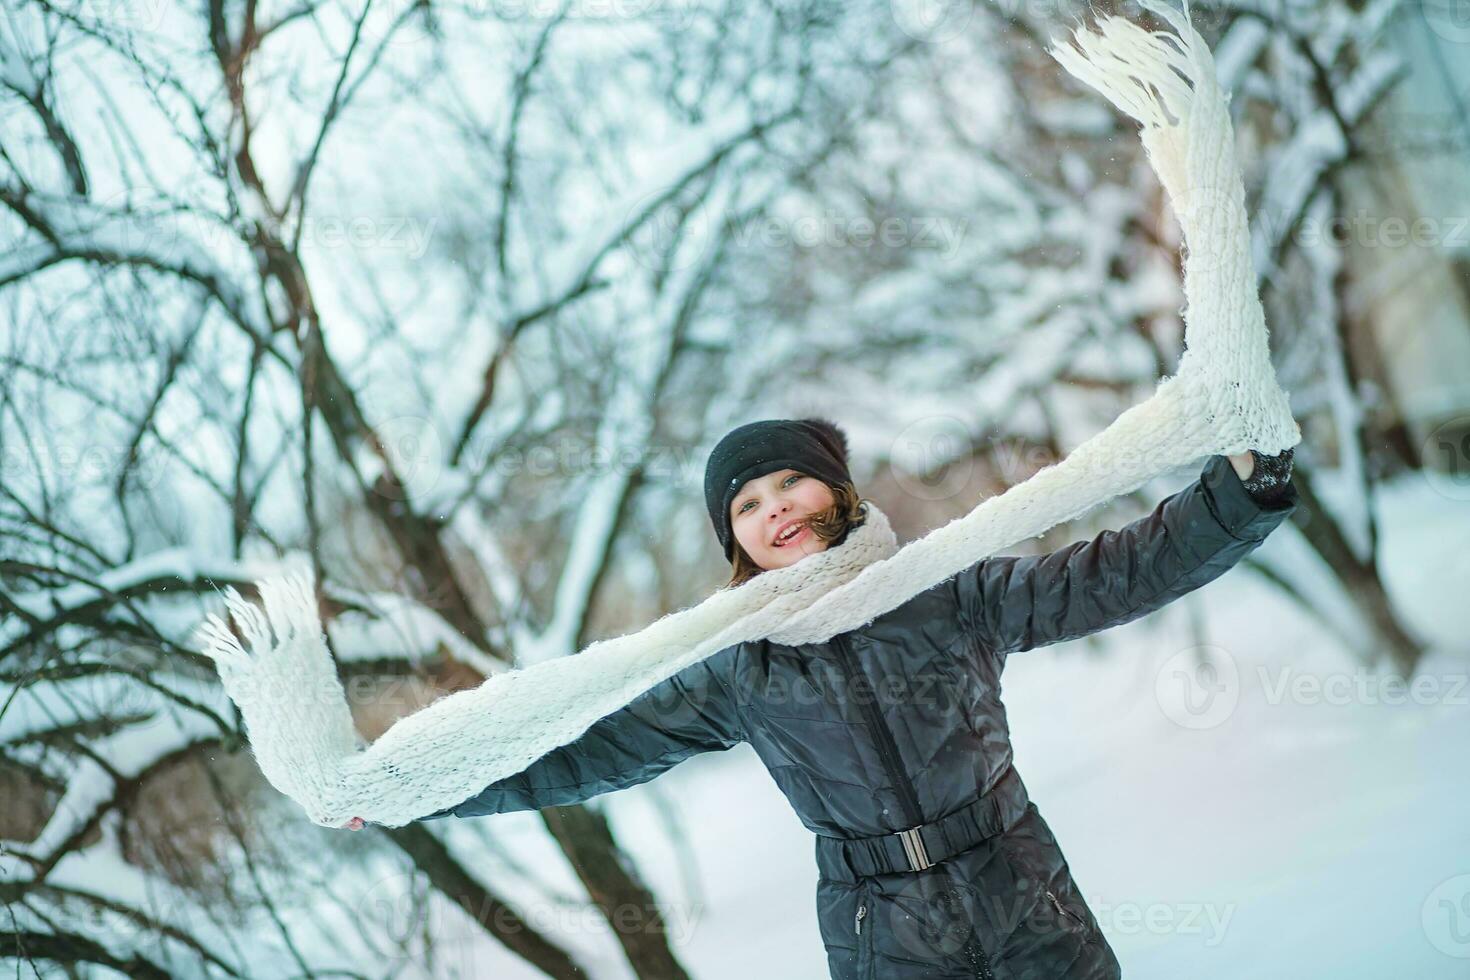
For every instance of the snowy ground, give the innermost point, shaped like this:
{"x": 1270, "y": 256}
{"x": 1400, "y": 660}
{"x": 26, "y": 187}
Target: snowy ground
{"x": 1302, "y": 821}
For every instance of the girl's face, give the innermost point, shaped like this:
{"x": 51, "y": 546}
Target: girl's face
{"x": 767, "y": 505}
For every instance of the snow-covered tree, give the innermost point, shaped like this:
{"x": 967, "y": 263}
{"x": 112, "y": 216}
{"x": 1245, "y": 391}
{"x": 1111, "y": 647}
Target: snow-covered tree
{"x": 454, "y": 297}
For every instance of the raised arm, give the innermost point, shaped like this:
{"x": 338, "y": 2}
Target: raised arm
{"x": 1012, "y": 603}
{"x": 691, "y": 712}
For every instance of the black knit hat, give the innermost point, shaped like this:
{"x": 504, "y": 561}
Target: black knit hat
{"x": 814, "y": 446}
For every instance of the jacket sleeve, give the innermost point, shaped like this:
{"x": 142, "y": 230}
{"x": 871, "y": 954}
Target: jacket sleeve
{"x": 1192, "y": 537}
{"x": 690, "y": 712}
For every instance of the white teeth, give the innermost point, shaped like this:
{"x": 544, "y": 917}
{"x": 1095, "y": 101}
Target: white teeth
{"x": 788, "y": 534}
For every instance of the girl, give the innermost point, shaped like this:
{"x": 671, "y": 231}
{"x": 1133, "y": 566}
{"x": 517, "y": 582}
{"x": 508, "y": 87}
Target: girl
{"x": 891, "y": 741}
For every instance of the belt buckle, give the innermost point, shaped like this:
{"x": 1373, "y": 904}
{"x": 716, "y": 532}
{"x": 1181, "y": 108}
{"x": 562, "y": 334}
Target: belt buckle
{"x": 913, "y": 849}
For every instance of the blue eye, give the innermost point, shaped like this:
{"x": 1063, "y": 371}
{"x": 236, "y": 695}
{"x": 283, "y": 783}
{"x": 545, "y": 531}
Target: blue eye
{"x": 784, "y": 483}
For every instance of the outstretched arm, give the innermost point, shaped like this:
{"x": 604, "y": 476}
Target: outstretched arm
{"x": 690, "y": 712}
{"x": 1192, "y": 537}
{"x": 282, "y": 677}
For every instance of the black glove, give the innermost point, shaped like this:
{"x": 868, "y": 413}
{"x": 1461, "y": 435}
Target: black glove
{"x": 1270, "y": 481}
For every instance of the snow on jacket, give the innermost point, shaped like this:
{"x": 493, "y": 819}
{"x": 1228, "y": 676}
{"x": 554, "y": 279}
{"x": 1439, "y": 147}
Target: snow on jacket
{"x": 900, "y": 723}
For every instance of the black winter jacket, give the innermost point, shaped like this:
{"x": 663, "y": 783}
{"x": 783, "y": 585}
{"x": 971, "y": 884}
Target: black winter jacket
{"x": 900, "y": 723}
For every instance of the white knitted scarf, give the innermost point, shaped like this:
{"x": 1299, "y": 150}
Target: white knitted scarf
{"x": 1224, "y": 399}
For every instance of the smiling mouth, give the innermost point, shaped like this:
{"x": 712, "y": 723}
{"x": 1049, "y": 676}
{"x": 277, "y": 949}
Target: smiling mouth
{"x": 792, "y": 536}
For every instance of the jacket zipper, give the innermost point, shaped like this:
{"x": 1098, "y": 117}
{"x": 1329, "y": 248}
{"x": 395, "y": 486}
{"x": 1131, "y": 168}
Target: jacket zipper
{"x": 883, "y": 735}
{"x": 1063, "y": 911}
{"x": 888, "y": 752}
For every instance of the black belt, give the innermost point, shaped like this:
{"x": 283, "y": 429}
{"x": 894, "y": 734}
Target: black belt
{"x": 926, "y": 845}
